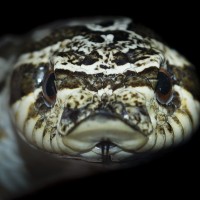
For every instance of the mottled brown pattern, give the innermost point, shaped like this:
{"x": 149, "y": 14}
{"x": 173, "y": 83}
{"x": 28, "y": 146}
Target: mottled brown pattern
{"x": 150, "y": 73}
{"x": 187, "y": 78}
{"x": 24, "y": 80}
{"x": 67, "y": 79}
{"x": 136, "y": 81}
{"x": 68, "y": 33}
{"x": 119, "y": 58}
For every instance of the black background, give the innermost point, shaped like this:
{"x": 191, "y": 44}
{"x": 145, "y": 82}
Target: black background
{"x": 175, "y": 172}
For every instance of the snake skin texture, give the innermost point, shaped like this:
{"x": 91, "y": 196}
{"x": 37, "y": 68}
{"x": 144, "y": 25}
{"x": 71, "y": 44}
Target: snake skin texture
{"x": 100, "y": 90}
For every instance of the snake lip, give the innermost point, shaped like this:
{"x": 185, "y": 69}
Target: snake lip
{"x": 104, "y": 134}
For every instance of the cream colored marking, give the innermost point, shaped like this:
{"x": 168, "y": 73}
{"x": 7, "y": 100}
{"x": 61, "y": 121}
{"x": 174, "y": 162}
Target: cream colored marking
{"x": 185, "y": 122}
{"x": 119, "y": 24}
{"x": 46, "y": 142}
{"x": 63, "y": 147}
{"x": 108, "y": 38}
{"x": 38, "y": 135}
{"x": 22, "y": 111}
{"x": 29, "y": 128}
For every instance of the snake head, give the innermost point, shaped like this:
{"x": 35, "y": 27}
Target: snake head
{"x": 103, "y": 93}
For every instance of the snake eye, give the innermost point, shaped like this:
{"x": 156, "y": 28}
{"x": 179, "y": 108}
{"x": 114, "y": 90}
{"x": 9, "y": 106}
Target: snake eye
{"x": 49, "y": 89}
{"x": 164, "y": 87}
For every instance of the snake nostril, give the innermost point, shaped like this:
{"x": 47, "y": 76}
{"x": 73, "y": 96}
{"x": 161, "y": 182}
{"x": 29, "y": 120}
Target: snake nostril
{"x": 70, "y": 114}
{"x": 68, "y": 119}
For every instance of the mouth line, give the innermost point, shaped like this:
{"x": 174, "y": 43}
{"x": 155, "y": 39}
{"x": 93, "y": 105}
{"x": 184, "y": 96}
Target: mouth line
{"x": 106, "y": 134}
{"x": 108, "y": 116}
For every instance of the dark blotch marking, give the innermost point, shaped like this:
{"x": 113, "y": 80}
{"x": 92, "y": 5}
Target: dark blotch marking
{"x": 39, "y": 123}
{"x": 143, "y": 110}
{"x": 79, "y": 58}
{"x": 96, "y": 38}
{"x": 176, "y": 100}
{"x": 24, "y": 81}
{"x": 63, "y": 54}
{"x": 32, "y": 112}
{"x": 73, "y": 57}
{"x": 120, "y": 58}
{"x": 68, "y": 79}
{"x": 91, "y": 58}
{"x": 70, "y": 114}
{"x": 186, "y": 77}
{"x": 119, "y": 35}
{"x": 139, "y": 53}
{"x": 104, "y": 67}
{"x": 106, "y": 23}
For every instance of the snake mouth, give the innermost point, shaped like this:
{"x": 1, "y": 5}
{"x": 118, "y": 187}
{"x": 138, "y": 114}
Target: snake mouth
{"x": 103, "y": 136}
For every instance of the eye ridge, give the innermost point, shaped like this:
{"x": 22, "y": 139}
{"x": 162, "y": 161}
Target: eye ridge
{"x": 49, "y": 89}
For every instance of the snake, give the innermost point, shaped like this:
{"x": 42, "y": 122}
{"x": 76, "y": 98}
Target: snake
{"x": 102, "y": 90}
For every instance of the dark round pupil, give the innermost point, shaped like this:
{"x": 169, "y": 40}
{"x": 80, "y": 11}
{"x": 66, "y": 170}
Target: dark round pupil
{"x": 164, "y": 83}
{"x": 50, "y": 86}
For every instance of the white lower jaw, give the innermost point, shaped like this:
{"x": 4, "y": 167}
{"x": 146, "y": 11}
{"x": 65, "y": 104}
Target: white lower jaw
{"x": 119, "y": 156}
{"x": 102, "y": 128}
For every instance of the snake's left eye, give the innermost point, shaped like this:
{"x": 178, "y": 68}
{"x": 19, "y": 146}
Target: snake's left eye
{"x": 163, "y": 88}
{"x": 49, "y": 89}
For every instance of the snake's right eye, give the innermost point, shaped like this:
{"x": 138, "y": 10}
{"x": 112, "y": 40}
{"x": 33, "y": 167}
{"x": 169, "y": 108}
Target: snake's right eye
{"x": 164, "y": 87}
{"x": 49, "y": 89}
